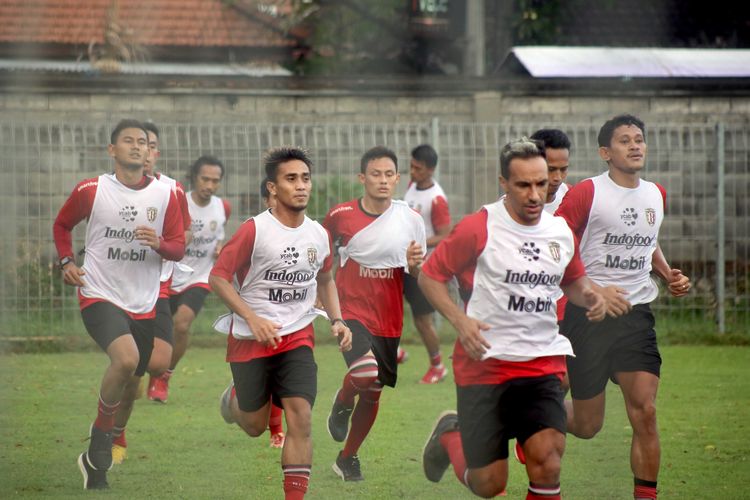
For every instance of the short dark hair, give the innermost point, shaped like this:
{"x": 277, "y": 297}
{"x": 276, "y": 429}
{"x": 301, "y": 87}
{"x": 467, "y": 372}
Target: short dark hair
{"x": 276, "y": 156}
{"x": 151, "y": 127}
{"x": 122, "y": 125}
{"x": 522, "y": 148}
{"x": 374, "y": 154}
{"x": 202, "y": 161}
{"x": 552, "y": 138}
{"x": 264, "y": 192}
{"x": 608, "y": 129}
{"x": 426, "y": 154}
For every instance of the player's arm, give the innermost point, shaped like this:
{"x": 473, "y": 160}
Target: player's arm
{"x": 235, "y": 257}
{"x": 441, "y": 221}
{"x": 328, "y": 295}
{"x": 440, "y": 234}
{"x": 677, "y": 283}
{"x": 581, "y": 292}
{"x": 75, "y": 209}
{"x": 220, "y": 241}
{"x": 185, "y": 210}
{"x": 456, "y": 253}
{"x": 414, "y": 258}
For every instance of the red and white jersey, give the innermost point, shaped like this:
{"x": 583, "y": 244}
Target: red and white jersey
{"x": 208, "y": 230}
{"x": 118, "y": 268}
{"x": 370, "y": 280}
{"x": 618, "y": 229}
{"x": 510, "y": 276}
{"x": 431, "y": 204}
{"x": 553, "y": 205}
{"x": 275, "y": 269}
{"x": 168, "y": 265}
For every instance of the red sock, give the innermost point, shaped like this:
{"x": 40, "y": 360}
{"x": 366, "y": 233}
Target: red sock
{"x": 436, "y": 360}
{"x": 361, "y": 375}
{"x": 274, "y": 420}
{"x": 105, "y": 417}
{"x": 118, "y": 436}
{"x": 643, "y": 489}
{"x": 363, "y": 418}
{"x": 451, "y": 441}
{"x": 296, "y": 480}
{"x": 543, "y": 491}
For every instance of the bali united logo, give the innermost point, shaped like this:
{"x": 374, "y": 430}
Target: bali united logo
{"x": 128, "y": 213}
{"x": 651, "y": 216}
{"x": 554, "y": 249}
{"x": 629, "y": 216}
{"x": 151, "y": 213}
{"x": 312, "y": 256}
{"x": 213, "y": 225}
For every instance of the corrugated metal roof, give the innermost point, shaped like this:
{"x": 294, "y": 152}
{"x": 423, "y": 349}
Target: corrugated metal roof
{"x": 608, "y": 62}
{"x": 156, "y": 68}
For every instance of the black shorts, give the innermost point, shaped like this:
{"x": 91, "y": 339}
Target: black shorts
{"x": 414, "y": 296}
{"x": 163, "y": 324}
{"x": 192, "y": 297}
{"x": 623, "y": 344}
{"x": 285, "y": 375}
{"x": 384, "y": 348}
{"x": 490, "y": 415}
{"x": 105, "y": 322}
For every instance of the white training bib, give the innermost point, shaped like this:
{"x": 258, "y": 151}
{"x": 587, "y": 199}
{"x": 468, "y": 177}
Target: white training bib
{"x": 420, "y": 200}
{"x": 208, "y": 230}
{"x": 553, "y": 205}
{"x": 621, "y": 236}
{"x": 517, "y": 284}
{"x": 118, "y": 268}
{"x": 281, "y": 284}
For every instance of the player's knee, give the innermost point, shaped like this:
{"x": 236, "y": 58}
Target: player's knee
{"x": 252, "y": 426}
{"x": 644, "y": 417}
{"x": 299, "y": 421}
{"x": 487, "y": 486}
{"x": 125, "y": 364}
{"x": 588, "y": 429}
{"x": 364, "y": 372}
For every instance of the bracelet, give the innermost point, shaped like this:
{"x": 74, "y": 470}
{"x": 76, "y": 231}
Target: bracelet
{"x": 339, "y": 320}
{"x": 65, "y": 261}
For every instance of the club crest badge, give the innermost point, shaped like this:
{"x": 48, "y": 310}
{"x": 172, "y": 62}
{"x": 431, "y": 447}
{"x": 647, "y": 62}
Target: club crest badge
{"x": 213, "y": 225}
{"x": 151, "y": 213}
{"x": 554, "y": 249}
{"x": 312, "y": 256}
{"x": 651, "y": 216}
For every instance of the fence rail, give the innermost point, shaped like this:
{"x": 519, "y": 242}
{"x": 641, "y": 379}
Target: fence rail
{"x": 704, "y": 168}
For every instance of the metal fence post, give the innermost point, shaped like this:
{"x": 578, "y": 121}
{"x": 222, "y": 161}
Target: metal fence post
{"x": 720, "y": 253}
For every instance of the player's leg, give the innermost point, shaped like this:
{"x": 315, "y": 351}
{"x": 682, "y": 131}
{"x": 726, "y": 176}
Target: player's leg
{"x": 425, "y": 326}
{"x": 275, "y": 426}
{"x": 183, "y": 319}
{"x": 246, "y": 401}
{"x": 161, "y": 356}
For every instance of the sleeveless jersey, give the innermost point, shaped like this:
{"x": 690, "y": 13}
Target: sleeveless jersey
{"x": 517, "y": 282}
{"x": 553, "y": 205}
{"x": 208, "y": 229}
{"x": 431, "y": 204}
{"x": 280, "y": 284}
{"x": 620, "y": 233}
{"x": 118, "y": 268}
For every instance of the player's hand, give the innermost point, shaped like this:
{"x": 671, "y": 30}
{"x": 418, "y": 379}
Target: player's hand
{"x": 678, "y": 283}
{"x": 265, "y": 331}
{"x": 72, "y": 274}
{"x": 469, "y": 333}
{"x": 147, "y": 236}
{"x": 617, "y": 304}
{"x": 414, "y": 254}
{"x": 595, "y": 304}
{"x": 344, "y": 335}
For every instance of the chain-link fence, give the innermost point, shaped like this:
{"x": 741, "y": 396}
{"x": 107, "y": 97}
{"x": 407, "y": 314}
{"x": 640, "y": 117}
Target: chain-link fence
{"x": 706, "y": 175}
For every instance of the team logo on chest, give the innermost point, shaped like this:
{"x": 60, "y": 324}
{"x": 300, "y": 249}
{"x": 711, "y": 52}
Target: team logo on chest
{"x": 151, "y": 213}
{"x": 629, "y": 216}
{"x": 128, "y": 213}
{"x": 197, "y": 225}
{"x": 289, "y": 255}
{"x": 651, "y": 216}
{"x": 213, "y": 225}
{"x": 554, "y": 249}
{"x": 312, "y": 256}
{"x": 530, "y": 251}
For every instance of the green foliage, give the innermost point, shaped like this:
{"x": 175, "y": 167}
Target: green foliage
{"x": 184, "y": 449}
{"x": 536, "y": 22}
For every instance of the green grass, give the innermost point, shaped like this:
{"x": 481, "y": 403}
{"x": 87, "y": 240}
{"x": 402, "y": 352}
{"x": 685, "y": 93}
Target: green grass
{"x": 184, "y": 449}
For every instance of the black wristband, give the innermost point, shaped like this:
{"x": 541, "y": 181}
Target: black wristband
{"x": 65, "y": 261}
{"x": 338, "y": 320}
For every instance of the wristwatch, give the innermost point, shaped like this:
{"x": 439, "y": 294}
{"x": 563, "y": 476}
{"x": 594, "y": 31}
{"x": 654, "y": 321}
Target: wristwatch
{"x": 338, "y": 320}
{"x": 65, "y": 261}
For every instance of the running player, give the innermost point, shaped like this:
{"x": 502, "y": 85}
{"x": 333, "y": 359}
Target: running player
{"x": 189, "y": 288}
{"x": 428, "y": 199}
{"x": 268, "y": 275}
{"x": 370, "y": 281}
{"x": 133, "y": 223}
{"x": 511, "y": 260}
{"x": 616, "y": 216}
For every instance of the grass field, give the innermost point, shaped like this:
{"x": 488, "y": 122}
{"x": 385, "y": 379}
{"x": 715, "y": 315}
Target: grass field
{"x": 184, "y": 449}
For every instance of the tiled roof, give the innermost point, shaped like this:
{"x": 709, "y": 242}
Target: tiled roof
{"x": 186, "y": 23}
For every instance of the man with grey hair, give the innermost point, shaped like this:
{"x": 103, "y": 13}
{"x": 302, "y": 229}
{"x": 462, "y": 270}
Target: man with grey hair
{"x": 513, "y": 260}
